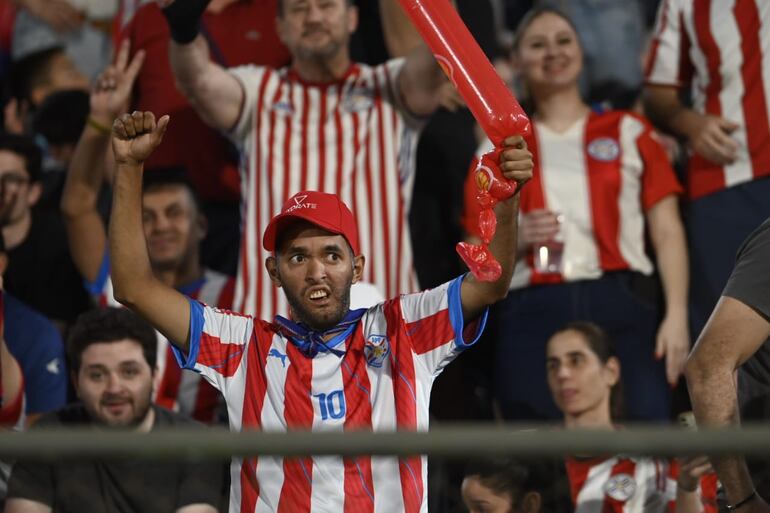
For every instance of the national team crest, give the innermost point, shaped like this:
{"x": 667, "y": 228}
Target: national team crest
{"x": 358, "y": 99}
{"x": 376, "y": 349}
{"x": 620, "y": 487}
{"x": 605, "y": 149}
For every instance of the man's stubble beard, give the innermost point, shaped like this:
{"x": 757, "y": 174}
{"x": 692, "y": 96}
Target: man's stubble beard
{"x": 139, "y": 417}
{"x": 321, "y": 55}
{"x": 304, "y": 316}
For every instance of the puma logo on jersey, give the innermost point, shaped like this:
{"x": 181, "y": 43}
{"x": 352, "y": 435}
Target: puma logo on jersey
{"x": 277, "y": 354}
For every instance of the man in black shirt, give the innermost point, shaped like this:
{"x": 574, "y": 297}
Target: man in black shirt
{"x": 40, "y": 271}
{"x": 737, "y": 338}
{"x": 112, "y": 354}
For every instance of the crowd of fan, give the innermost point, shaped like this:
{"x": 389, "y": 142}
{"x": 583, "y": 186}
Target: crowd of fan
{"x": 628, "y": 232}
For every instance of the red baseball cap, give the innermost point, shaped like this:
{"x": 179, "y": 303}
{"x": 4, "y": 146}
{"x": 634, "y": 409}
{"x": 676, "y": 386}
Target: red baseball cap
{"x": 324, "y": 210}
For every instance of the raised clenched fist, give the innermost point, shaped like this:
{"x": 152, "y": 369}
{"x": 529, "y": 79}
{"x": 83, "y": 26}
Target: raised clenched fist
{"x": 136, "y": 135}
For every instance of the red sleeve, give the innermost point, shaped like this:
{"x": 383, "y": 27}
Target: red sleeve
{"x": 658, "y": 177}
{"x": 673, "y": 473}
{"x": 121, "y": 29}
{"x": 577, "y": 474}
{"x": 470, "y": 218}
{"x": 708, "y": 489}
{"x": 7, "y": 19}
{"x": 708, "y": 492}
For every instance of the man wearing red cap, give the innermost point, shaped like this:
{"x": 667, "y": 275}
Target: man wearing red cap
{"x": 328, "y": 368}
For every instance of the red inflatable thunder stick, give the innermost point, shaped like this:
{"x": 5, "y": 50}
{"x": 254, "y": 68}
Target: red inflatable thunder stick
{"x": 491, "y": 103}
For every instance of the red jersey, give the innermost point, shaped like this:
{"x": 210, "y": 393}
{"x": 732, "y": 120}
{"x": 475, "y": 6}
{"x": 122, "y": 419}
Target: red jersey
{"x": 602, "y": 175}
{"x": 375, "y": 374}
{"x": 623, "y": 484}
{"x": 720, "y": 50}
{"x": 242, "y": 33}
{"x": 354, "y": 138}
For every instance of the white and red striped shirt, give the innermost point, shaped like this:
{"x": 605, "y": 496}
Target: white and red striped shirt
{"x": 380, "y": 380}
{"x": 353, "y": 138}
{"x": 720, "y": 49}
{"x": 183, "y": 392}
{"x": 601, "y": 175}
{"x": 631, "y": 485}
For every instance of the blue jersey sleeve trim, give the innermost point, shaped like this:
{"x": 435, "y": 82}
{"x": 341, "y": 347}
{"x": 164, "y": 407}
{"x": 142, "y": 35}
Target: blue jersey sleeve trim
{"x": 196, "y": 329}
{"x": 97, "y": 287}
{"x": 456, "y": 315}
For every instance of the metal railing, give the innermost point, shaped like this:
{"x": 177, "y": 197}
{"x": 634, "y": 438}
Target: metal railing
{"x": 446, "y": 441}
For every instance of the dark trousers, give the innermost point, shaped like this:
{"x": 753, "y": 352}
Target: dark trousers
{"x": 717, "y": 224}
{"x": 623, "y": 303}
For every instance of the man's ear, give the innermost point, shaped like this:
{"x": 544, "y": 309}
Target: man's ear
{"x": 38, "y": 94}
{"x": 358, "y": 268}
{"x": 34, "y": 193}
{"x": 352, "y": 18}
{"x": 531, "y": 502}
{"x": 271, "y": 264}
{"x": 156, "y": 377}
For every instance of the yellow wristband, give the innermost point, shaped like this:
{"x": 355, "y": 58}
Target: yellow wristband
{"x": 98, "y": 126}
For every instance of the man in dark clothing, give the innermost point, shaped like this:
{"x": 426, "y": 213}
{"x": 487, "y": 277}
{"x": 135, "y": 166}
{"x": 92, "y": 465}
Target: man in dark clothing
{"x": 737, "y": 338}
{"x": 40, "y": 271}
{"x": 113, "y": 357}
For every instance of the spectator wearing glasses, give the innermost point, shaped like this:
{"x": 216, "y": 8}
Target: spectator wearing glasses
{"x": 40, "y": 271}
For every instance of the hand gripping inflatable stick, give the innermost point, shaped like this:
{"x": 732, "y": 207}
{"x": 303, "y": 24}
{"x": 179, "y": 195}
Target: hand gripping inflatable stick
{"x": 491, "y": 103}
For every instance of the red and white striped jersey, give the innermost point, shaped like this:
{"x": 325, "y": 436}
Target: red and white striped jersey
{"x": 631, "y": 485}
{"x": 186, "y": 392}
{"x": 379, "y": 379}
{"x": 601, "y": 175}
{"x": 353, "y": 138}
{"x": 183, "y": 392}
{"x": 721, "y": 51}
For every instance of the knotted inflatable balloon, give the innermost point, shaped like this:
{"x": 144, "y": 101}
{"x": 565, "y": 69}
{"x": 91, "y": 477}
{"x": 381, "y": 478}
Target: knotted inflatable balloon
{"x": 491, "y": 103}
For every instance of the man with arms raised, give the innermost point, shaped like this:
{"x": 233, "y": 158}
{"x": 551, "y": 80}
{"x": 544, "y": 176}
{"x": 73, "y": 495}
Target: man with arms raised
{"x": 174, "y": 226}
{"x": 323, "y": 123}
{"x": 330, "y": 368}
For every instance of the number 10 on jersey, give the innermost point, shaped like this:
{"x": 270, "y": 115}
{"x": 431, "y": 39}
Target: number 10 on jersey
{"x": 331, "y": 405}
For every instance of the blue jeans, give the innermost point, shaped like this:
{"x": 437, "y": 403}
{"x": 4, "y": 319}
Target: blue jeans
{"x": 624, "y": 304}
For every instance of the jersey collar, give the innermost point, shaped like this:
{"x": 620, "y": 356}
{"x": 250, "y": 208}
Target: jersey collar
{"x": 292, "y": 75}
{"x": 311, "y": 342}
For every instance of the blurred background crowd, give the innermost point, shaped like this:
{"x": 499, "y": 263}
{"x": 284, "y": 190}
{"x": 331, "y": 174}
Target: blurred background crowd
{"x": 651, "y": 156}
